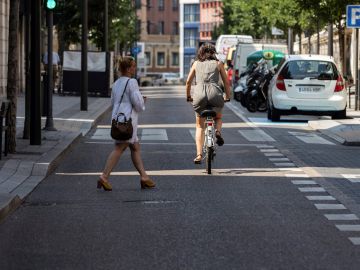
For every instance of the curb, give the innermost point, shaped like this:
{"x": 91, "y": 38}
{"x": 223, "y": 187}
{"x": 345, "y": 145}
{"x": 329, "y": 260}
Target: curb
{"x": 11, "y": 204}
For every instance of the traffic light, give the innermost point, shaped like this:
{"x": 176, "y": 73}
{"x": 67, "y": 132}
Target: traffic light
{"x": 50, "y": 4}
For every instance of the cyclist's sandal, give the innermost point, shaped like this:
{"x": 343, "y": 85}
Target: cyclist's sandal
{"x": 198, "y": 159}
{"x": 219, "y": 139}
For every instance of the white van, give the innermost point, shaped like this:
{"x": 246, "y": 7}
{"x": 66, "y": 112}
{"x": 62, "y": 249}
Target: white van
{"x": 244, "y": 50}
{"x": 225, "y": 42}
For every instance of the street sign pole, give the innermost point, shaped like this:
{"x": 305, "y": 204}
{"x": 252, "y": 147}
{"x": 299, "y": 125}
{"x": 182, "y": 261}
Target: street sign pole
{"x": 35, "y": 113}
{"x": 84, "y": 52}
{"x": 49, "y": 124}
{"x": 353, "y": 21}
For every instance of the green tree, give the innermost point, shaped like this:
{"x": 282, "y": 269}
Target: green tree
{"x": 122, "y": 21}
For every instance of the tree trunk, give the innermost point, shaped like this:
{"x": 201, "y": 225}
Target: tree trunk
{"x": 341, "y": 33}
{"x": 12, "y": 81}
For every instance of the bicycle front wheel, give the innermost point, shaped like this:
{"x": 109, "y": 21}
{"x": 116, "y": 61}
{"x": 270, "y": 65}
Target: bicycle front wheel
{"x": 209, "y": 158}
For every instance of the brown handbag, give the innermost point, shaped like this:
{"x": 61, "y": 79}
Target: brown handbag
{"x": 121, "y": 130}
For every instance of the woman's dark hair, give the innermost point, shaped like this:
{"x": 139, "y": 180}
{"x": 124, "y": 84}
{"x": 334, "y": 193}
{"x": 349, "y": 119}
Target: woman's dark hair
{"x": 206, "y": 52}
{"x": 125, "y": 63}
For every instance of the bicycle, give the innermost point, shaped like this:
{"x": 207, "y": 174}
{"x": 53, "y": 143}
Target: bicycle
{"x": 209, "y": 146}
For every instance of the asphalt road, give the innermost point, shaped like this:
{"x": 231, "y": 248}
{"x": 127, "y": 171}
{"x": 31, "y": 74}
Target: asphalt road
{"x": 252, "y": 213}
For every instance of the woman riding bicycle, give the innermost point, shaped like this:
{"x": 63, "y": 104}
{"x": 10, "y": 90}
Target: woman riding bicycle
{"x": 207, "y": 93}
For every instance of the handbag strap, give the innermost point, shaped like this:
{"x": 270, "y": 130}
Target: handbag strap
{"x": 123, "y": 92}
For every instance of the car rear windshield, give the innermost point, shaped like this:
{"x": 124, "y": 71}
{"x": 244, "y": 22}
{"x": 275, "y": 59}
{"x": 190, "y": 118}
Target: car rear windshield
{"x": 300, "y": 69}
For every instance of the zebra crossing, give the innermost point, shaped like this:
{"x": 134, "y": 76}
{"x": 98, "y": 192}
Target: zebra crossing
{"x": 147, "y": 133}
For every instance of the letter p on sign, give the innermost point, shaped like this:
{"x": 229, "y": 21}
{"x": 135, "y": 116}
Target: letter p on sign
{"x": 353, "y": 16}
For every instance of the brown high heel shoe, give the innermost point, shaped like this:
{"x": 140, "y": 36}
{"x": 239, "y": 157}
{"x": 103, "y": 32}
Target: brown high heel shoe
{"x": 146, "y": 184}
{"x": 198, "y": 159}
{"x": 104, "y": 184}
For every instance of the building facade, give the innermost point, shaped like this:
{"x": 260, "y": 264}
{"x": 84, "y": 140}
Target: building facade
{"x": 4, "y": 33}
{"x": 210, "y": 16}
{"x": 189, "y": 34}
{"x": 158, "y": 26}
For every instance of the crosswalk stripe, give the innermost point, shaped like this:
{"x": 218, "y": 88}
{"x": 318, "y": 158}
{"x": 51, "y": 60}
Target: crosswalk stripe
{"x": 256, "y": 135}
{"x": 269, "y": 150}
{"x": 320, "y": 198}
{"x": 304, "y": 182}
{"x": 151, "y": 134}
{"x": 312, "y": 189}
{"x": 354, "y": 178}
{"x": 273, "y": 154}
{"x": 285, "y": 164}
{"x": 296, "y": 175}
{"x": 321, "y": 206}
{"x": 310, "y": 138}
{"x": 342, "y": 217}
{"x": 348, "y": 228}
{"x": 279, "y": 159}
{"x": 355, "y": 240}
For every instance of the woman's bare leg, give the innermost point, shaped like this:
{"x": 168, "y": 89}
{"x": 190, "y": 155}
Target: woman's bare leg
{"x": 218, "y": 122}
{"x": 113, "y": 160}
{"x": 137, "y": 161}
{"x": 199, "y": 134}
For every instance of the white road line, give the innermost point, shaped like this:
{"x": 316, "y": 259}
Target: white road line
{"x": 304, "y": 182}
{"x": 265, "y": 146}
{"x": 353, "y": 178}
{"x": 342, "y": 217}
{"x": 296, "y": 175}
{"x": 154, "y": 135}
{"x": 256, "y": 136}
{"x": 285, "y": 164}
{"x": 260, "y": 121}
{"x": 325, "y": 206}
{"x": 269, "y": 150}
{"x": 348, "y": 228}
{"x": 320, "y": 198}
{"x": 312, "y": 189}
{"x": 310, "y": 138}
{"x": 273, "y": 154}
{"x": 279, "y": 159}
{"x": 355, "y": 240}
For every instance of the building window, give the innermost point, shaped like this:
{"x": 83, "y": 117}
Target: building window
{"x": 175, "y": 30}
{"x": 138, "y": 26}
{"x": 138, "y": 4}
{"x": 191, "y": 37}
{"x": 148, "y": 4}
{"x": 191, "y": 13}
{"x": 161, "y": 4}
{"x": 148, "y": 58}
{"x": 161, "y": 27}
{"x": 175, "y": 4}
{"x": 175, "y": 59}
{"x": 160, "y": 59}
{"x": 188, "y": 60}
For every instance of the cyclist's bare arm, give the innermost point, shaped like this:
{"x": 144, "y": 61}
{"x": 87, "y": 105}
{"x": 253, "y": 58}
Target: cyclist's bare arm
{"x": 189, "y": 82}
{"x": 225, "y": 80}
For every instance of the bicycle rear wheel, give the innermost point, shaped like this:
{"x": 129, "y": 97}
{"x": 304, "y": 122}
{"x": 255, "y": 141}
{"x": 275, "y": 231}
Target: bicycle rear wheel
{"x": 209, "y": 158}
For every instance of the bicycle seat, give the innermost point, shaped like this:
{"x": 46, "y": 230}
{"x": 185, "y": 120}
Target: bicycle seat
{"x": 207, "y": 113}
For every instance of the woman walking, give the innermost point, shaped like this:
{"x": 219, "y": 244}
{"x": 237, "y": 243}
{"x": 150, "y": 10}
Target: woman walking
{"x": 207, "y": 93}
{"x": 131, "y": 104}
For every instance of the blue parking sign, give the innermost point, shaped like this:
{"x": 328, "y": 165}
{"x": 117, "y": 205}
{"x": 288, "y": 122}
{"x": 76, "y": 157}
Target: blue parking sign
{"x": 353, "y": 16}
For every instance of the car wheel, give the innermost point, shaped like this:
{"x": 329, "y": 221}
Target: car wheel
{"x": 252, "y": 106}
{"x": 339, "y": 115}
{"x": 237, "y": 96}
{"x": 274, "y": 114}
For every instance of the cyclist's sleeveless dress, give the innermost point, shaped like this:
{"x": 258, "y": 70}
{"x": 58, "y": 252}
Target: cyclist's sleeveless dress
{"x": 207, "y": 91}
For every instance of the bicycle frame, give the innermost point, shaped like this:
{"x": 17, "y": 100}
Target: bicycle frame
{"x": 209, "y": 142}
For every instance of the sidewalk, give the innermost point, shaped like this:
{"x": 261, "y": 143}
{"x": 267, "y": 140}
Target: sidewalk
{"x": 20, "y": 173}
{"x": 345, "y": 131}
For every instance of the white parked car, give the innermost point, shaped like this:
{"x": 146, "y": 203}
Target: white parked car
{"x": 307, "y": 84}
{"x": 167, "y": 78}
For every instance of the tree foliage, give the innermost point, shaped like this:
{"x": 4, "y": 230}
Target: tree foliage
{"x": 122, "y": 21}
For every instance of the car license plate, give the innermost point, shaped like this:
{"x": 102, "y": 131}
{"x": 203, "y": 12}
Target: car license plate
{"x": 309, "y": 89}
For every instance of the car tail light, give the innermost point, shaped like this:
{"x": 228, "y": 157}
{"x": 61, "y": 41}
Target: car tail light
{"x": 280, "y": 83}
{"x": 339, "y": 84}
